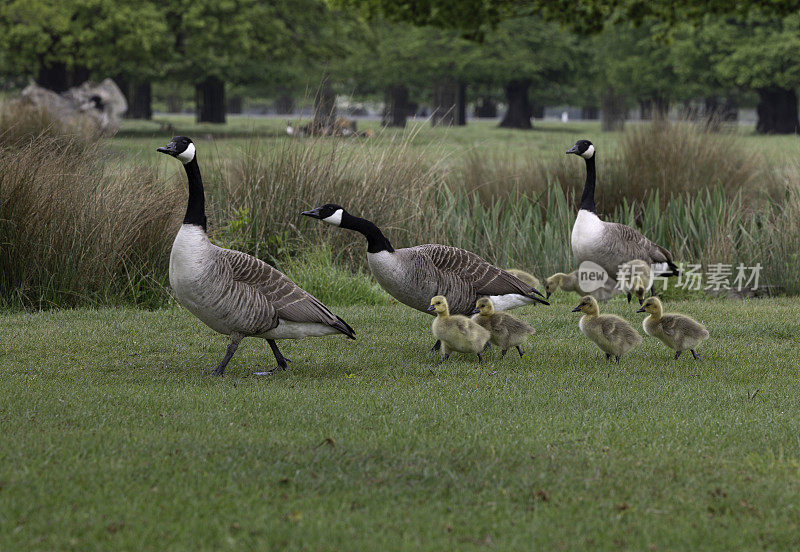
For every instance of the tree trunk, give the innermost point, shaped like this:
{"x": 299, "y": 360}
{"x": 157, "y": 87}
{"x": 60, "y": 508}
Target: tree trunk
{"x": 537, "y": 111}
{"x": 661, "y": 107}
{"x": 645, "y": 110}
{"x": 395, "y": 108}
{"x": 141, "y": 103}
{"x": 590, "y": 113}
{"x": 777, "y": 111}
{"x": 235, "y": 104}
{"x": 174, "y": 103}
{"x": 519, "y": 112}
{"x": 449, "y": 103}
{"x": 53, "y": 77}
{"x": 284, "y": 105}
{"x": 210, "y": 100}
{"x": 324, "y": 107}
{"x": 486, "y": 109}
{"x": 615, "y": 110}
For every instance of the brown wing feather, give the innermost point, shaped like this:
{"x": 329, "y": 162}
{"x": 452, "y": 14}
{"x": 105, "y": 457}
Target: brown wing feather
{"x": 480, "y": 276}
{"x": 289, "y": 300}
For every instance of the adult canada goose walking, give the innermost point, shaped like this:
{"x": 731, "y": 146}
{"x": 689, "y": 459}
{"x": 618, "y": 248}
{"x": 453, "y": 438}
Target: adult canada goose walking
{"x": 234, "y": 293}
{"x": 610, "y": 244}
{"x": 413, "y": 275}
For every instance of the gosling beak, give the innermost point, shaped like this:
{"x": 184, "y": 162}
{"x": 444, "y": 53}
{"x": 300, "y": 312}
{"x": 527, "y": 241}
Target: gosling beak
{"x": 431, "y": 308}
{"x": 169, "y": 149}
{"x": 640, "y": 310}
{"x": 476, "y": 311}
{"x": 577, "y": 309}
{"x": 573, "y": 149}
{"x": 313, "y": 213}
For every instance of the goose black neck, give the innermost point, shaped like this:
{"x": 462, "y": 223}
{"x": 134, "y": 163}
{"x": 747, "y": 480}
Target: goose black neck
{"x": 376, "y": 241}
{"x": 587, "y": 201}
{"x": 196, "y": 208}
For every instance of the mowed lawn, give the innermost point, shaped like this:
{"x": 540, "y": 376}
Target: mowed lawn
{"x": 114, "y": 436}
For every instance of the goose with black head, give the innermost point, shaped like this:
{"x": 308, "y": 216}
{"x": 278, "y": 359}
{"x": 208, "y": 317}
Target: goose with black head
{"x": 234, "y": 293}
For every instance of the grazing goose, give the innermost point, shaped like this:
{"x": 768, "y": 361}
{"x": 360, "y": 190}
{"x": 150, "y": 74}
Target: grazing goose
{"x": 569, "y": 282}
{"x": 507, "y": 331}
{"x": 612, "y": 334}
{"x": 231, "y": 292}
{"x": 610, "y": 244}
{"x": 676, "y": 331}
{"x": 413, "y": 275}
{"x": 456, "y": 332}
{"x": 635, "y": 278}
{"x": 526, "y": 277}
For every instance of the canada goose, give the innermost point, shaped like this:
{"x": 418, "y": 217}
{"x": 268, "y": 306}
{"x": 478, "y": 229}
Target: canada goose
{"x": 526, "y": 277}
{"x": 635, "y": 278}
{"x": 676, "y": 331}
{"x": 231, "y": 292}
{"x": 456, "y": 332}
{"x": 413, "y": 275}
{"x": 507, "y": 331}
{"x": 610, "y": 244}
{"x": 609, "y": 332}
{"x": 569, "y": 282}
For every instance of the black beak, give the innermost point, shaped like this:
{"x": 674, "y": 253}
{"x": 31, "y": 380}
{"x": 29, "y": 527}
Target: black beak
{"x": 314, "y": 213}
{"x": 169, "y": 149}
{"x": 577, "y": 309}
{"x": 476, "y": 311}
{"x": 431, "y": 308}
{"x": 640, "y": 310}
{"x": 573, "y": 149}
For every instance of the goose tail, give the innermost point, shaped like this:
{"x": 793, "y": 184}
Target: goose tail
{"x": 344, "y": 328}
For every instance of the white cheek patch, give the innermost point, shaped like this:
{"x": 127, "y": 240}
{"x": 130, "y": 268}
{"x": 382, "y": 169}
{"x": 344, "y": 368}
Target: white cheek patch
{"x": 335, "y": 218}
{"x": 187, "y": 155}
{"x": 588, "y": 153}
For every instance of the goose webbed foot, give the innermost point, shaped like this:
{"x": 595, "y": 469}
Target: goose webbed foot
{"x": 232, "y": 346}
{"x": 283, "y": 362}
{"x": 695, "y": 355}
{"x": 520, "y": 351}
{"x": 436, "y": 346}
{"x": 608, "y": 356}
{"x": 677, "y": 354}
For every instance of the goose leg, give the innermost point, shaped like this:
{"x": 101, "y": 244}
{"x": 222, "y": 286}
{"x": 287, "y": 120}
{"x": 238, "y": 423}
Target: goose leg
{"x": 520, "y": 351}
{"x": 695, "y": 355}
{"x": 283, "y": 362}
{"x": 677, "y": 354}
{"x": 232, "y": 346}
{"x": 436, "y": 346}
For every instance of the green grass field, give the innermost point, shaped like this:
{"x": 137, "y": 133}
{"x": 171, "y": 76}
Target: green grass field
{"x": 114, "y": 436}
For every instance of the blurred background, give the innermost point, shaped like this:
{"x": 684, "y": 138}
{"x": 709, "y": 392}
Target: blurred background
{"x": 442, "y": 121}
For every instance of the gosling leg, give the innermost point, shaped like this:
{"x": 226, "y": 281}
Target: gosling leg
{"x": 618, "y": 357}
{"x": 520, "y": 351}
{"x": 436, "y": 346}
{"x": 480, "y": 358}
{"x": 444, "y": 357}
{"x": 503, "y": 353}
{"x": 677, "y": 354}
{"x": 695, "y": 355}
{"x": 232, "y": 346}
{"x": 608, "y": 356}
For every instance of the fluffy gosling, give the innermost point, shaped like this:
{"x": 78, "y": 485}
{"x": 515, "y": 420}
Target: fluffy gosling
{"x": 507, "y": 331}
{"x": 456, "y": 332}
{"x": 676, "y": 331}
{"x": 526, "y": 277}
{"x": 612, "y": 334}
{"x": 569, "y": 282}
{"x": 639, "y": 278}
